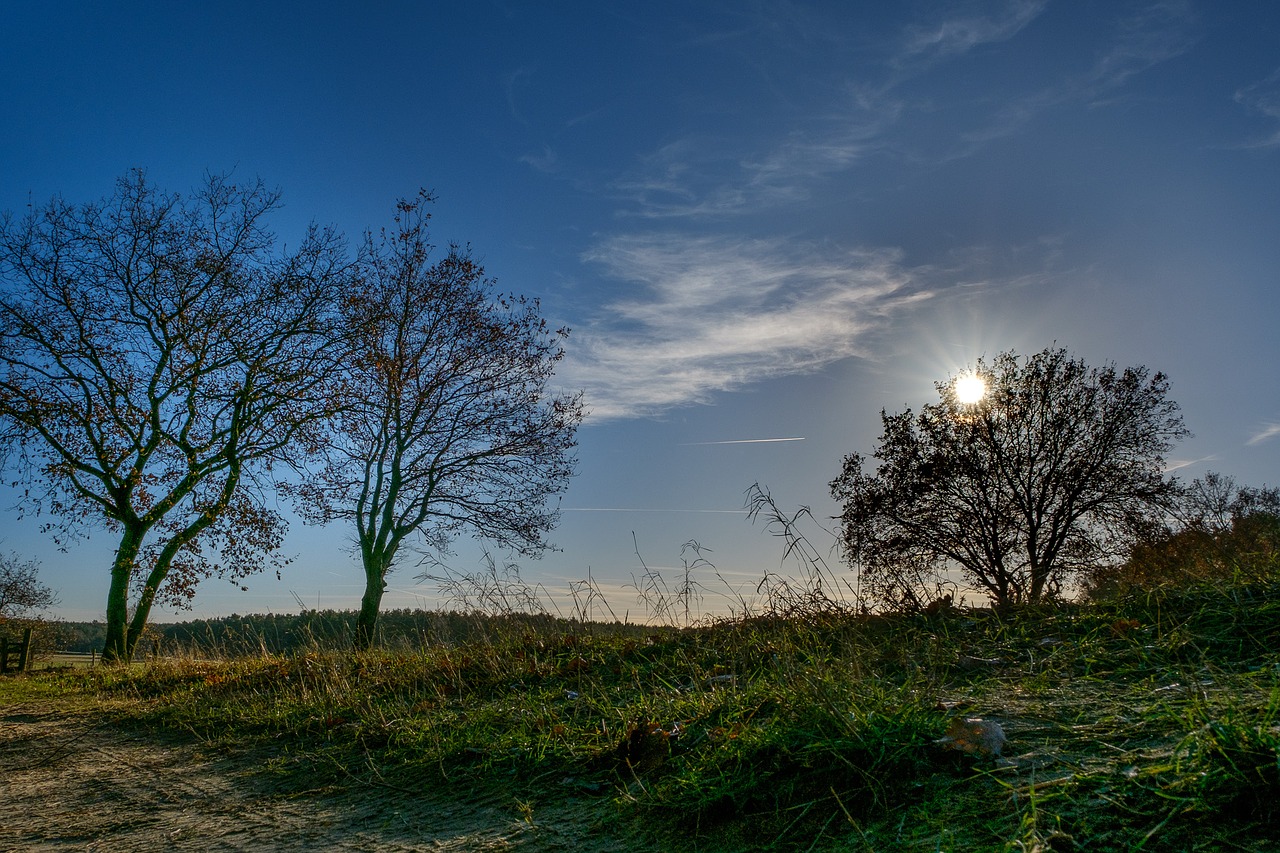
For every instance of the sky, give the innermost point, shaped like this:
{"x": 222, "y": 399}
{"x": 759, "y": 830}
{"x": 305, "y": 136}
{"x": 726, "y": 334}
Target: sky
{"x": 765, "y": 222}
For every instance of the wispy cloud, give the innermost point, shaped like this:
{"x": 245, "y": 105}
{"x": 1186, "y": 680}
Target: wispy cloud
{"x": 808, "y": 157}
{"x": 715, "y": 313}
{"x": 683, "y": 179}
{"x": 514, "y": 84}
{"x": 700, "y": 176}
{"x": 697, "y": 177}
{"x": 954, "y": 34}
{"x": 1269, "y": 431}
{"x": 1263, "y": 97}
{"x": 1147, "y": 37}
{"x": 697, "y": 315}
{"x": 545, "y": 161}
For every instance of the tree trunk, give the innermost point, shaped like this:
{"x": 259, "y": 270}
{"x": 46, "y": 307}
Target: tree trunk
{"x": 142, "y": 610}
{"x": 117, "y": 648}
{"x": 1039, "y": 577}
{"x": 375, "y": 584}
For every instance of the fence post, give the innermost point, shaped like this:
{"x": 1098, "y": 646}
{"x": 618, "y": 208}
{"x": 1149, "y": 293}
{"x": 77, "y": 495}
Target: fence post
{"x": 4, "y": 655}
{"x": 24, "y": 659}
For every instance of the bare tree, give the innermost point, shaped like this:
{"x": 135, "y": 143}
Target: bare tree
{"x": 1215, "y": 503}
{"x": 21, "y": 592}
{"x": 1040, "y": 478}
{"x": 156, "y": 355}
{"x": 448, "y": 423}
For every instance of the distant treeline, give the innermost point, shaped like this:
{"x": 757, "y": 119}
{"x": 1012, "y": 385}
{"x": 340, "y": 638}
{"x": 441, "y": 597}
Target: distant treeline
{"x": 277, "y": 633}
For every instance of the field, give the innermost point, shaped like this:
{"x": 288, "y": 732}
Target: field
{"x": 1146, "y": 724}
{"x": 64, "y": 660}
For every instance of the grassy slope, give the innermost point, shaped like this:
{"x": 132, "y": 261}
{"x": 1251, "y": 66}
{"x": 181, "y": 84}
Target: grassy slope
{"x": 1149, "y": 725}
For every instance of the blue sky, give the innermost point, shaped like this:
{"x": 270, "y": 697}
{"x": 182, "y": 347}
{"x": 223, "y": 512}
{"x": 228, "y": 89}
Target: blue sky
{"x": 762, "y": 220}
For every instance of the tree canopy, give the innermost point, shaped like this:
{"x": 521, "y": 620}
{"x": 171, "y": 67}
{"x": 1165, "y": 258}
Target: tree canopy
{"x": 1050, "y": 470}
{"x": 448, "y": 420}
{"x": 157, "y": 355}
{"x": 21, "y": 592}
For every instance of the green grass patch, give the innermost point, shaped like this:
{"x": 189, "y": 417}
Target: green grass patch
{"x": 1149, "y": 724}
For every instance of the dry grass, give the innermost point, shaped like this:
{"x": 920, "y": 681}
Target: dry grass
{"x": 1147, "y": 724}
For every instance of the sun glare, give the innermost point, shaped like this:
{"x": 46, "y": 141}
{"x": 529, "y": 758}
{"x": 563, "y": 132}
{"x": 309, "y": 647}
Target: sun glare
{"x": 970, "y": 389}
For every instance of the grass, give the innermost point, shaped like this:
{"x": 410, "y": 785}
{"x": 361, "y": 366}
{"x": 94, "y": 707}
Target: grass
{"x": 1146, "y": 724}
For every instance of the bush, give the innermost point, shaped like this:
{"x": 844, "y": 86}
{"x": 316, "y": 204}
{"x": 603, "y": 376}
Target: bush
{"x": 1223, "y": 534}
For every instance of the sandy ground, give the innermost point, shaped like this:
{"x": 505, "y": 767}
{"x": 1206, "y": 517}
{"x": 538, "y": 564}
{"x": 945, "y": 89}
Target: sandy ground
{"x": 69, "y": 783}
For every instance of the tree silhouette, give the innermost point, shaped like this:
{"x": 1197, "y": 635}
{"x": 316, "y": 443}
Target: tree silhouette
{"x": 1042, "y": 477}
{"x": 448, "y": 421}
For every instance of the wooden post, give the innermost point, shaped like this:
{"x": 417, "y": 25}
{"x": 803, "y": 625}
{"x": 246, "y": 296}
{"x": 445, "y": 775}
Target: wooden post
{"x": 22, "y": 650}
{"x": 24, "y": 658}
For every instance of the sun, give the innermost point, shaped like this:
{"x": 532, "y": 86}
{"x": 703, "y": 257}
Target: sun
{"x": 970, "y": 388}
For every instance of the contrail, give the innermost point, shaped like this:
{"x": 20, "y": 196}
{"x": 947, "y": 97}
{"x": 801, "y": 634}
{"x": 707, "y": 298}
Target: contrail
{"x": 740, "y": 441}
{"x": 1269, "y": 431}
{"x": 1178, "y": 464}
{"x": 636, "y": 509}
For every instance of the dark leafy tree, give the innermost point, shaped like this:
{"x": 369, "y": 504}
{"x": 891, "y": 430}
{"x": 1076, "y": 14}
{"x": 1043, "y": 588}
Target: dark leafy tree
{"x": 21, "y": 592}
{"x": 449, "y": 423}
{"x": 157, "y": 354}
{"x": 1217, "y": 532}
{"x": 1052, "y": 470}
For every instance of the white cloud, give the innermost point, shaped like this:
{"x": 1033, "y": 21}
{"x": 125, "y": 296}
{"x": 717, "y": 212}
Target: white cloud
{"x": 709, "y": 314}
{"x": 1267, "y": 432}
{"x": 808, "y": 158}
{"x": 714, "y": 314}
{"x": 546, "y": 161}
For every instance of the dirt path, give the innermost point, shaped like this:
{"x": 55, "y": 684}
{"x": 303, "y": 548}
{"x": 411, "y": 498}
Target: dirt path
{"x": 68, "y": 783}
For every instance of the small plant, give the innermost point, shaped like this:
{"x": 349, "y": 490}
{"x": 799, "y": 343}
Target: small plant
{"x": 816, "y": 588}
{"x": 494, "y": 590}
{"x": 663, "y": 605}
